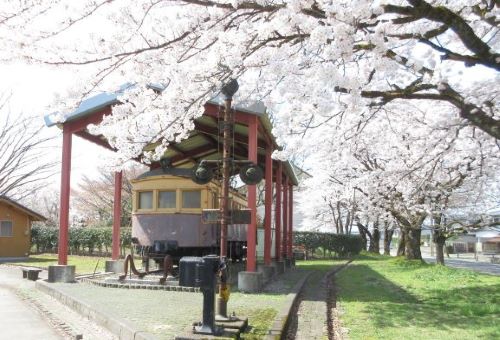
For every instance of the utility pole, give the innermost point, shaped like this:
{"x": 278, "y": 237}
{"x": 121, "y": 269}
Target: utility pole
{"x": 228, "y": 92}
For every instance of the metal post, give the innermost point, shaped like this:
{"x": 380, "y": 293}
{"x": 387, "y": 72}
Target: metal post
{"x": 117, "y": 212}
{"x": 227, "y": 91}
{"x": 226, "y": 167}
{"x": 65, "y": 193}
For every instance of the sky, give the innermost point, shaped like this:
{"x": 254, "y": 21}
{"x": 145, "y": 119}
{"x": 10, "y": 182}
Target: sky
{"x": 32, "y": 89}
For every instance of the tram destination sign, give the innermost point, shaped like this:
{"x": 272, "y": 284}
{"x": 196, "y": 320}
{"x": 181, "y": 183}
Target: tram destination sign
{"x": 241, "y": 216}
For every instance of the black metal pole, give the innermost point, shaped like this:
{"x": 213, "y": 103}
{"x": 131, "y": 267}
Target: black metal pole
{"x": 227, "y": 91}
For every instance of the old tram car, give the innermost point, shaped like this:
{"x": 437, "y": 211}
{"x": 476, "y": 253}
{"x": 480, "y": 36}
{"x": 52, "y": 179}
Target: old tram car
{"x": 166, "y": 218}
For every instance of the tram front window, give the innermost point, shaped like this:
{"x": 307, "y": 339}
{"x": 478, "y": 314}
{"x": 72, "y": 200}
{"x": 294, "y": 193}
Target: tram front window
{"x": 166, "y": 200}
{"x": 191, "y": 199}
{"x": 146, "y": 200}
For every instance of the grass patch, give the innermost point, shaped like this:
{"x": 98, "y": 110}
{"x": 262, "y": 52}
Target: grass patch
{"x": 261, "y": 320}
{"x": 390, "y": 298}
{"x": 84, "y": 264}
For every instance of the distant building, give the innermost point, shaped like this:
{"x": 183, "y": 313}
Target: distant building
{"x": 484, "y": 241}
{"x": 488, "y": 239}
{"x": 15, "y": 228}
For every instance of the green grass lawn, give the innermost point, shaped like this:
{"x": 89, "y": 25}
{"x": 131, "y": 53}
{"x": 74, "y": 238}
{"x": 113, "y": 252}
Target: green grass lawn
{"x": 390, "y": 298}
{"x": 84, "y": 264}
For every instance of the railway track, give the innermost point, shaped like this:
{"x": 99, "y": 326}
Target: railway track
{"x": 315, "y": 315}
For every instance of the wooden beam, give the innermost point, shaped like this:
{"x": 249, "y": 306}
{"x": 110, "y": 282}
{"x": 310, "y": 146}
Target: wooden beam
{"x": 194, "y": 153}
{"x": 285, "y": 219}
{"x": 268, "y": 203}
{"x": 252, "y": 198}
{"x": 277, "y": 214}
{"x": 239, "y": 117}
{"x": 82, "y": 123}
{"x": 238, "y": 137}
{"x": 117, "y": 215}
{"x": 62, "y": 252}
{"x": 174, "y": 147}
{"x": 94, "y": 139}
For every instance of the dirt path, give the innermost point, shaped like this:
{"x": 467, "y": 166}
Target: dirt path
{"x": 315, "y": 314}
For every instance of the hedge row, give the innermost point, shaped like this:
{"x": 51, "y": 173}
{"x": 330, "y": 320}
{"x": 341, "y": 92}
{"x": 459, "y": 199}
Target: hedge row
{"x": 81, "y": 240}
{"x": 339, "y": 244}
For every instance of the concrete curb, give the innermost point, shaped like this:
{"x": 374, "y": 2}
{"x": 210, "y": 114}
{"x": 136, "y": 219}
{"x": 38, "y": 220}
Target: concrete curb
{"x": 281, "y": 320}
{"x": 123, "y": 329}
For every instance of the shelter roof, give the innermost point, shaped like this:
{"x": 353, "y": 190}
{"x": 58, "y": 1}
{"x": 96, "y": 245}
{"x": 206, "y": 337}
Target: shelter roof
{"x": 18, "y": 206}
{"x": 204, "y": 142}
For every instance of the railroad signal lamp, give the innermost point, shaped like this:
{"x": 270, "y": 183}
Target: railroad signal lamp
{"x": 165, "y": 163}
{"x": 251, "y": 174}
{"x": 230, "y": 88}
{"x": 201, "y": 174}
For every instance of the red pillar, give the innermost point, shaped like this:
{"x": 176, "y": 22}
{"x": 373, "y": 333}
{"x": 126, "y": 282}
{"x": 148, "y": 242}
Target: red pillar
{"x": 252, "y": 197}
{"x": 285, "y": 218}
{"x": 277, "y": 214}
{"x": 117, "y": 215}
{"x": 290, "y": 222}
{"x": 268, "y": 206}
{"x": 62, "y": 251}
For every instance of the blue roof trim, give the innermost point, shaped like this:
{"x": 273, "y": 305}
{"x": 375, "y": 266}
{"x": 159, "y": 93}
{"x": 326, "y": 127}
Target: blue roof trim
{"x": 89, "y": 105}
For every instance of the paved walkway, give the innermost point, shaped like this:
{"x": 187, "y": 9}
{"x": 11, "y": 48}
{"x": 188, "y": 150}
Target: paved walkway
{"x": 17, "y": 319}
{"x": 28, "y": 314}
{"x": 482, "y": 267}
{"x": 464, "y": 261}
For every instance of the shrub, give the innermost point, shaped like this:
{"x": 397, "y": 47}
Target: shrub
{"x": 339, "y": 244}
{"x": 81, "y": 240}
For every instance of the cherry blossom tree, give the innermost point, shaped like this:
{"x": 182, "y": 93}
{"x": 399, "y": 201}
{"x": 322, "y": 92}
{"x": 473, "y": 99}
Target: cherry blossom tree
{"x": 401, "y": 175}
{"x": 307, "y": 60}
{"x": 424, "y": 73}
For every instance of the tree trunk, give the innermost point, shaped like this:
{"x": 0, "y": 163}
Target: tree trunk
{"x": 362, "y": 233}
{"x": 387, "y": 240}
{"x": 439, "y": 240}
{"x": 376, "y": 240}
{"x": 412, "y": 244}
{"x": 402, "y": 243}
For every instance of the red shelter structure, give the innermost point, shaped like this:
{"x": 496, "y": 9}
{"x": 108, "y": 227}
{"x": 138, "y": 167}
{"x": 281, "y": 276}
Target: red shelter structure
{"x": 252, "y": 141}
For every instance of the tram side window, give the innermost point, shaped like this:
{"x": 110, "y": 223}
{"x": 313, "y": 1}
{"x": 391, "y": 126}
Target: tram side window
{"x": 145, "y": 200}
{"x": 191, "y": 199}
{"x": 166, "y": 200}
{"x": 215, "y": 201}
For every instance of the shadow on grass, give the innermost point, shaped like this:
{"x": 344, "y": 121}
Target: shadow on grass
{"x": 371, "y": 257}
{"x": 360, "y": 283}
{"x": 391, "y": 306}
